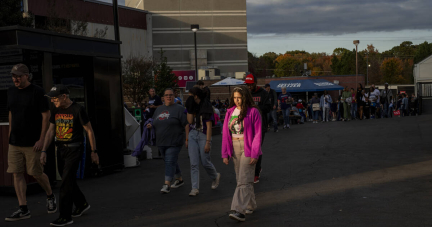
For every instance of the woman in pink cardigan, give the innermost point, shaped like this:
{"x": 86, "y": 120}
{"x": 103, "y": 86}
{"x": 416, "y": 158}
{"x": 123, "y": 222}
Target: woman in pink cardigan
{"x": 241, "y": 141}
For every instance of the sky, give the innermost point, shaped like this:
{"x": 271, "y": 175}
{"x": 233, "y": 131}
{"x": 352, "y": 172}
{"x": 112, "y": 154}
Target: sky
{"x": 323, "y": 25}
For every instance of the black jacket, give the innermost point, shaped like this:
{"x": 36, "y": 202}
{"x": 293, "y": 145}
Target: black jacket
{"x": 273, "y": 98}
{"x": 261, "y": 99}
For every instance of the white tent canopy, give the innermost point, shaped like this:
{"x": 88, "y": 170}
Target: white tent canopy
{"x": 228, "y": 82}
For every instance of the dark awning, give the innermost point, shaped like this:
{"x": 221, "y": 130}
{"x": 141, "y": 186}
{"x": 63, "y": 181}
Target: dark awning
{"x": 304, "y": 85}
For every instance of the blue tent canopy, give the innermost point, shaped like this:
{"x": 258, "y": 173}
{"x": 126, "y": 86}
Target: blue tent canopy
{"x": 304, "y": 85}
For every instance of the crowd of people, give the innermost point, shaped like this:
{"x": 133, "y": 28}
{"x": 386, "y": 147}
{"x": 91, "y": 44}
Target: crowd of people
{"x": 174, "y": 124}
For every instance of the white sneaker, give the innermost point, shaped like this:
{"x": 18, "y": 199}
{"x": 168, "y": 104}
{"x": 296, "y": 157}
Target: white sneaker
{"x": 215, "y": 183}
{"x": 249, "y": 211}
{"x": 287, "y": 126}
{"x": 165, "y": 189}
{"x": 194, "y": 192}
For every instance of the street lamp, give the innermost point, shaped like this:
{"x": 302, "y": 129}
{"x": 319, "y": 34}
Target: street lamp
{"x": 367, "y": 68}
{"x": 195, "y": 28}
{"x": 356, "y": 43}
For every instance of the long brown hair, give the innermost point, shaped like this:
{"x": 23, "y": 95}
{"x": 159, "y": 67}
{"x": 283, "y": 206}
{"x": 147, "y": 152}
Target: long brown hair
{"x": 247, "y": 101}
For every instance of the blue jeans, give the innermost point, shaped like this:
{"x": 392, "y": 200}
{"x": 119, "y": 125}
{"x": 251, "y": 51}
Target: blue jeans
{"x": 353, "y": 110}
{"x": 196, "y": 144}
{"x": 386, "y": 110}
{"x": 170, "y": 156}
{"x": 286, "y": 113}
{"x": 315, "y": 115}
{"x": 272, "y": 115}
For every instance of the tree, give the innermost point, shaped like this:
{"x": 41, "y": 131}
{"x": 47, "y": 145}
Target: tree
{"x": 423, "y": 51}
{"x": 340, "y": 51}
{"x": 335, "y": 66}
{"x": 252, "y": 63}
{"x": 405, "y": 50}
{"x": 391, "y": 69}
{"x": 11, "y": 13}
{"x": 164, "y": 78}
{"x": 137, "y": 78}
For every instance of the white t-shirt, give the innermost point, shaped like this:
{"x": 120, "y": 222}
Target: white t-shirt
{"x": 235, "y": 126}
{"x": 217, "y": 111}
{"x": 377, "y": 94}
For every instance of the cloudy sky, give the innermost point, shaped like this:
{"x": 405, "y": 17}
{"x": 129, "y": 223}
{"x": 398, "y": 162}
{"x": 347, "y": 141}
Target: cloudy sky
{"x": 323, "y": 25}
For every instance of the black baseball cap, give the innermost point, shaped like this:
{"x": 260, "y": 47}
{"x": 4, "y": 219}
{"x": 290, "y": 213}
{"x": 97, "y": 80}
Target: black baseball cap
{"x": 58, "y": 90}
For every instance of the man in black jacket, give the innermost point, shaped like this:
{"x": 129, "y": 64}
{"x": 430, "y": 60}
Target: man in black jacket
{"x": 205, "y": 89}
{"x": 261, "y": 98}
{"x": 273, "y": 101}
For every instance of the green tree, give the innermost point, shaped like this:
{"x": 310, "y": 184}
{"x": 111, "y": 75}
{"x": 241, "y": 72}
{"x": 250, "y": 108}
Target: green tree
{"x": 164, "y": 78}
{"x": 391, "y": 69}
{"x": 294, "y": 52}
{"x": 423, "y": 51}
{"x": 253, "y": 63}
{"x": 404, "y": 51}
{"x": 340, "y": 51}
{"x": 11, "y": 13}
{"x": 137, "y": 78}
{"x": 335, "y": 66}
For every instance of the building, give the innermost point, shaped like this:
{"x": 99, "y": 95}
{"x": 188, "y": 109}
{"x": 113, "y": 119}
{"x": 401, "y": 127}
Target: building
{"x": 423, "y": 77}
{"x": 221, "y": 39}
{"x": 135, "y": 24}
{"x": 423, "y": 84}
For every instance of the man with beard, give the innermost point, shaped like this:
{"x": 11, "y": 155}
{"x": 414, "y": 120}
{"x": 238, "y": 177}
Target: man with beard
{"x": 261, "y": 99}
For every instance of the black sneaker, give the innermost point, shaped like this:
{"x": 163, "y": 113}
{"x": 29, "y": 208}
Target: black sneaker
{"x": 51, "y": 205}
{"x": 177, "y": 184}
{"x": 61, "y": 222}
{"x": 80, "y": 211}
{"x": 238, "y": 216}
{"x": 165, "y": 189}
{"x": 18, "y": 215}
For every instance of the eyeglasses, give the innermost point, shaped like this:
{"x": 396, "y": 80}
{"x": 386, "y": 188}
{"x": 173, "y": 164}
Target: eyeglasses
{"x": 238, "y": 88}
{"x": 168, "y": 95}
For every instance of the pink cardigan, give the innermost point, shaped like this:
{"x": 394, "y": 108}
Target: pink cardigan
{"x": 252, "y": 134}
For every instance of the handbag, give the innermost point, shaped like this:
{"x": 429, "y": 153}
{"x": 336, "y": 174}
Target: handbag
{"x": 396, "y": 112}
{"x": 315, "y": 106}
{"x": 373, "y": 104}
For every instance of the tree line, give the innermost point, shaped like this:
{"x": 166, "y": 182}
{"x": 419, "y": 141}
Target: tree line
{"x": 394, "y": 66}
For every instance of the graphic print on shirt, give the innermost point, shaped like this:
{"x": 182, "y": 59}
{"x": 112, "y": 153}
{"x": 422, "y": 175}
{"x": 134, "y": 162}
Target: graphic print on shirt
{"x": 235, "y": 126}
{"x": 64, "y": 126}
{"x": 164, "y": 115}
{"x": 257, "y": 99}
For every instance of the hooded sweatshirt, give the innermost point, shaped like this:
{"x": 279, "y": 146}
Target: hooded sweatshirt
{"x": 251, "y": 133}
{"x": 261, "y": 99}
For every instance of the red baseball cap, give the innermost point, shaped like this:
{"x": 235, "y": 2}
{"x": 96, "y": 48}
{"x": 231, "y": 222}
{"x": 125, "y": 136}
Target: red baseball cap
{"x": 250, "y": 79}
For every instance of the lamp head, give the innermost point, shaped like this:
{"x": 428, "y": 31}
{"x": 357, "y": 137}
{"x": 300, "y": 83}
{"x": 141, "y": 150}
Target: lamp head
{"x": 356, "y": 42}
{"x": 194, "y": 27}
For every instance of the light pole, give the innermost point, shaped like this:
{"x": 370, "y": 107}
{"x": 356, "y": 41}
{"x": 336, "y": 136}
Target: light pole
{"x": 195, "y": 28}
{"x": 356, "y": 43}
{"x": 367, "y": 68}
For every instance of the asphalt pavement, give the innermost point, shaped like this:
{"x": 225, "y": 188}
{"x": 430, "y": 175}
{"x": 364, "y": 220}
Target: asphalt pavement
{"x": 357, "y": 173}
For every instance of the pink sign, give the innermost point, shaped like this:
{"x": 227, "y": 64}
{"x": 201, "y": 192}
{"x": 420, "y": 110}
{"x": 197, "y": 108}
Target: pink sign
{"x": 184, "y": 76}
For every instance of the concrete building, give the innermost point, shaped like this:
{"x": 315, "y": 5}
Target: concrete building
{"x": 221, "y": 39}
{"x": 423, "y": 84}
{"x": 135, "y": 24}
{"x": 423, "y": 76}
